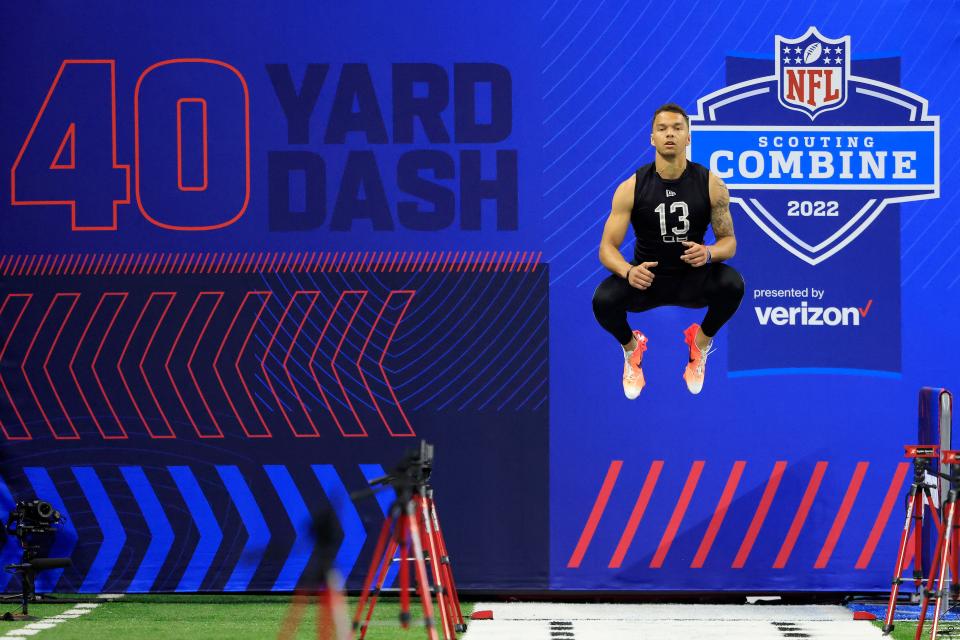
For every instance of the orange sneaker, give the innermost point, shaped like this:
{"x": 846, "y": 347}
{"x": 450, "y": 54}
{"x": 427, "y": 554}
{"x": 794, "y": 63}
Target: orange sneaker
{"x": 632, "y": 373}
{"x": 697, "y": 366}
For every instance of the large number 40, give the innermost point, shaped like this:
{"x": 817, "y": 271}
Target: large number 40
{"x": 181, "y": 109}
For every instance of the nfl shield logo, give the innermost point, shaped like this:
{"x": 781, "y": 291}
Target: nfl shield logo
{"x": 812, "y": 72}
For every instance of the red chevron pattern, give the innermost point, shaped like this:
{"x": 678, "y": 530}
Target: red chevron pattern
{"x": 130, "y": 363}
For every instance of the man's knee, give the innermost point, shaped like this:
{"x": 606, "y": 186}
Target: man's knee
{"x": 605, "y": 300}
{"x": 731, "y": 284}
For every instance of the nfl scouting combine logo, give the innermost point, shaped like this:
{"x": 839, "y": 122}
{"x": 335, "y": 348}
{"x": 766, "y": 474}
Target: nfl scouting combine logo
{"x": 813, "y": 153}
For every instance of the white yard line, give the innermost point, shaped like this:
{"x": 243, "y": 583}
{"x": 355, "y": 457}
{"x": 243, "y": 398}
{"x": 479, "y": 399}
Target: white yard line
{"x": 35, "y": 627}
{"x": 561, "y": 621}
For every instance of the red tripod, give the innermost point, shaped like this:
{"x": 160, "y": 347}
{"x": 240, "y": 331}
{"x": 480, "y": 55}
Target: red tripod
{"x": 948, "y": 543}
{"x": 918, "y": 500}
{"x": 332, "y": 623}
{"x": 412, "y": 522}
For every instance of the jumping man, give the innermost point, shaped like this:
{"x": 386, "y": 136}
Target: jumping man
{"x": 669, "y": 204}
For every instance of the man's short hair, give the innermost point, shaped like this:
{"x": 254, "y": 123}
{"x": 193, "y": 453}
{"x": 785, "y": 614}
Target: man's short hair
{"x": 672, "y": 107}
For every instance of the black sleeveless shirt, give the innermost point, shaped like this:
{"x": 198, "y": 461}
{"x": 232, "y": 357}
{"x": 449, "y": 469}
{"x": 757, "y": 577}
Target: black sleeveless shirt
{"x": 668, "y": 212}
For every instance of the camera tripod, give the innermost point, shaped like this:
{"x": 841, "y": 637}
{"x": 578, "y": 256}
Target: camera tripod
{"x": 411, "y": 523}
{"x": 28, "y": 520}
{"x": 919, "y": 500}
{"x": 946, "y": 557}
{"x": 325, "y": 585}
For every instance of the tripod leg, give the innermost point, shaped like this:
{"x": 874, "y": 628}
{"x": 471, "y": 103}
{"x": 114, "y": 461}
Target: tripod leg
{"x": 324, "y": 617}
{"x": 918, "y": 542}
{"x": 943, "y": 590}
{"x": 422, "y": 579}
{"x": 443, "y": 600}
{"x": 954, "y": 584}
{"x": 405, "y": 571}
{"x": 450, "y": 585}
{"x": 381, "y": 578}
{"x": 374, "y": 562}
{"x": 901, "y": 556}
{"x": 291, "y": 622}
{"x": 925, "y": 600}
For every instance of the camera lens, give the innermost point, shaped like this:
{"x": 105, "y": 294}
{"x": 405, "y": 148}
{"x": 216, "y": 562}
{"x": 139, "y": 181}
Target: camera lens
{"x": 44, "y": 509}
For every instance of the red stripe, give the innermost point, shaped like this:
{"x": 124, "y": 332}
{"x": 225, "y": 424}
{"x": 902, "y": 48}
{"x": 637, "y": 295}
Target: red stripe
{"x": 340, "y": 263}
{"x": 537, "y": 263}
{"x": 432, "y": 256}
{"x": 768, "y": 494}
{"x": 626, "y": 539}
{"x": 524, "y": 261}
{"x": 719, "y": 514}
{"x": 678, "y": 512}
{"x": 83, "y": 264}
{"x": 515, "y": 258}
{"x": 801, "y": 516}
{"x": 366, "y": 256}
{"x": 841, "y": 520}
{"x": 893, "y": 493}
{"x": 3, "y": 266}
{"x": 595, "y": 514}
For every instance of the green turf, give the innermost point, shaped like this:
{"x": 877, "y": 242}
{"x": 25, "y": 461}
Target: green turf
{"x": 906, "y": 630}
{"x": 207, "y": 617}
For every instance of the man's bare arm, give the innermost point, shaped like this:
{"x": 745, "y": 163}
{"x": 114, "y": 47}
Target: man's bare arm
{"x": 639, "y": 276}
{"x": 615, "y": 230}
{"x": 721, "y": 221}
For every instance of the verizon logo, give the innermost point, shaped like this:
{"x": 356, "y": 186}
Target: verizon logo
{"x": 806, "y": 315}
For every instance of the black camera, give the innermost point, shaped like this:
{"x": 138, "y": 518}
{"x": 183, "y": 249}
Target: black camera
{"x": 33, "y": 516}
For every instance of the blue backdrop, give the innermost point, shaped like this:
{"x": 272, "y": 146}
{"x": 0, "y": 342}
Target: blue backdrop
{"x": 251, "y": 253}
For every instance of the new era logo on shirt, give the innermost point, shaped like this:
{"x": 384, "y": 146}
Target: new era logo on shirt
{"x": 670, "y": 194}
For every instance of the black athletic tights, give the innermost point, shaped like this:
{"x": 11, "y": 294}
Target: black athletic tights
{"x": 716, "y": 286}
